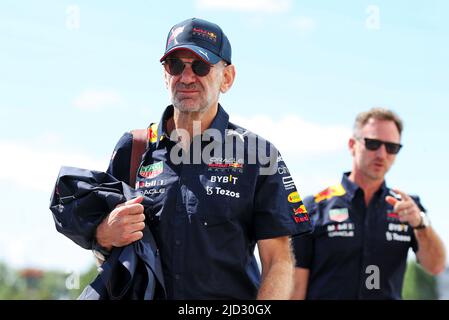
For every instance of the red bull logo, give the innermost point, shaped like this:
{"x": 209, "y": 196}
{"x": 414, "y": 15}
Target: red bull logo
{"x": 300, "y": 214}
{"x": 205, "y": 33}
{"x": 225, "y": 164}
{"x": 334, "y": 191}
{"x": 301, "y": 218}
{"x": 300, "y": 210}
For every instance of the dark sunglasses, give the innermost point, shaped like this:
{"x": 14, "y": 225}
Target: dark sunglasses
{"x": 374, "y": 144}
{"x": 176, "y": 66}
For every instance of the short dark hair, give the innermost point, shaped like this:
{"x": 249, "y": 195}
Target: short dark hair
{"x": 379, "y": 114}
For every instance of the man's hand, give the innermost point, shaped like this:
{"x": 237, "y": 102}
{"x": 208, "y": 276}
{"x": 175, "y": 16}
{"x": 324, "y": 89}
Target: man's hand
{"x": 123, "y": 225}
{"x": 406, "y": 208}
{"x": 431, "y": 253}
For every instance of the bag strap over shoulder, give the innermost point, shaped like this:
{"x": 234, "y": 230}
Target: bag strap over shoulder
{"x": 139, "y": 145}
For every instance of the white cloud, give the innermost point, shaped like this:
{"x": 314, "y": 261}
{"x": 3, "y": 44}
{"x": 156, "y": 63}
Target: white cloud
{"x": 266, "y": 6}
{"x": 29, "y": 167}
{"x": 304, "y": 146}
{"x": 93, "y": 100}
{"x": 292, "y": 135}
{"x": 304, "y": 24}
{"x": 28, "y": 171}
{"x": 42, "y": 248}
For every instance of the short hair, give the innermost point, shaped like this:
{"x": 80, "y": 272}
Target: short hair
{"x": 379, "y": 114}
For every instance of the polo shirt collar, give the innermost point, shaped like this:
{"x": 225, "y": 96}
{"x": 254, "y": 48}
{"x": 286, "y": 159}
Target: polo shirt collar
{"x": 351, "y": 188}
{"x": 219, "y": 123}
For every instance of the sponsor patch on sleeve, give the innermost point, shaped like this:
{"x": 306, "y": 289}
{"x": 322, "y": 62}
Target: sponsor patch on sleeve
{"x": 333, "y": 191}
{"x": 152, "y": 132}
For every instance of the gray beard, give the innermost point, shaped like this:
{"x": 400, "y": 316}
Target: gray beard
{"x": 184, "y": 108}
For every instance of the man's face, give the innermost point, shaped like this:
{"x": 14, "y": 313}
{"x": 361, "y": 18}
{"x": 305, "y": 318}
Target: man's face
{"x": 190, "y": 92}
{"x": 373, "y": 165}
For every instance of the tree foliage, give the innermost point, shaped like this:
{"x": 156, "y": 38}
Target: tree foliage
{"x": 54, "y": 285}
{"x": 418, "y": 284}
{"x": 31, "y": 284}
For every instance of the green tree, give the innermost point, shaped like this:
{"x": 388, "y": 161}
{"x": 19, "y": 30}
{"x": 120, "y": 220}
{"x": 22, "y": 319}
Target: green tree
{"x": 418, "y": 284}
{"x": 6, "y": 281}
{"x": 31, "y": 284}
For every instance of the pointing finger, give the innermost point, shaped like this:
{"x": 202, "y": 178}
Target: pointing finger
{"x": 404, "y": 196}
{"x": 391, "y": 200}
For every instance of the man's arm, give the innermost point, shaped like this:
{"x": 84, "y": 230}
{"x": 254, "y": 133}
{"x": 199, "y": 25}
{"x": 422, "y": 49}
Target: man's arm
{"x": 301, "y": 282}
{"x": 277, "y": 269}
{"x": 431, "y": 253}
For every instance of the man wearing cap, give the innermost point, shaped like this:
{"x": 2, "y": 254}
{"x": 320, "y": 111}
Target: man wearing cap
{"x": 362, "y": 229}
{"x": 209, "y": 208}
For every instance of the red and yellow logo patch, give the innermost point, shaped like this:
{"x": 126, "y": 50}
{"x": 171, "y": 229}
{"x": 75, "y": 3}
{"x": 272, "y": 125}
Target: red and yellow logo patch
{"x": 152, "y": 133}
{"x": 294, "y": 197}
{"x": 300, "y": 214}
{"x": 334, "y": 191}
{"x": 205, "y": 33}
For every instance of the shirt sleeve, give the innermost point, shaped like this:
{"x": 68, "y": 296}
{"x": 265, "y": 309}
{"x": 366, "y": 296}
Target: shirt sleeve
{"x": 414, "y": 242}
{"x": 278, "y": 207}
{"x": 121, "y": 158}
{"x": 303, "y": 245}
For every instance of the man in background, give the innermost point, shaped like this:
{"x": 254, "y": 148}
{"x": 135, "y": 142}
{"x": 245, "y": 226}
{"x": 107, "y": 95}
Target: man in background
{"x": 362, "y": 228}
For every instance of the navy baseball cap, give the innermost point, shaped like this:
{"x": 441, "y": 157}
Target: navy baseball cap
{"x": 203, "y": 38}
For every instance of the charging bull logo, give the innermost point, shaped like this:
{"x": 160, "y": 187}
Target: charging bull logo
{"x": 334, "y": 191}
{"x": 300, "y": 214}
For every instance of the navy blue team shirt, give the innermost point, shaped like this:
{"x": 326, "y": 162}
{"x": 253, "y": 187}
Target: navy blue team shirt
{"x": 207, "y": 217}
{"x": 348, "y": 239}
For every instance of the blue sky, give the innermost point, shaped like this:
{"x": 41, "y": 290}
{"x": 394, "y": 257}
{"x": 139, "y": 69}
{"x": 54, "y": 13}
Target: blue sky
{"x": 77, "y": 74}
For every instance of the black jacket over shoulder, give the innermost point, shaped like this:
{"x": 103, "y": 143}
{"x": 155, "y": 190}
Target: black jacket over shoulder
{"x": 80, "y": 200}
